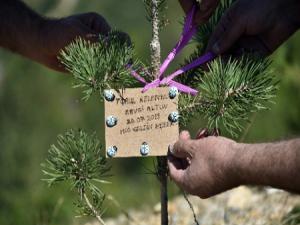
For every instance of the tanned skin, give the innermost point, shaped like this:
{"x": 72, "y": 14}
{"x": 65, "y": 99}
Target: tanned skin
{"x": 211, "y": 165}
{"x": 25, "y": 32}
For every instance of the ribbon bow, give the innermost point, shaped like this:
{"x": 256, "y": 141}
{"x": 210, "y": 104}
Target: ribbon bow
{"x": 189, "y": 31}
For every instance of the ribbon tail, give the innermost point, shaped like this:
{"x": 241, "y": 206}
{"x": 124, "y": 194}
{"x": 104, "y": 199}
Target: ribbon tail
{"x": 136, "y": 75}
{"x": 179, "y": 46}
{"x": 188, "y": 32}
{"x": 189, "y": 19}
{"x": 183, "y": 88}
{"x": 198, "y": 62}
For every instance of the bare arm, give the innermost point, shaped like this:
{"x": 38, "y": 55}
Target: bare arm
{"x": 16, "y": 22}
{"x": 212, "y": 165}
{"x": 273, "y": 164}
{"x": 25, "y": 32}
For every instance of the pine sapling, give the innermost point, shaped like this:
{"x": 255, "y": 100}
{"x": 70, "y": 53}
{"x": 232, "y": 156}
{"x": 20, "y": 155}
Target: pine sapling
{"x": 228, "y": 92}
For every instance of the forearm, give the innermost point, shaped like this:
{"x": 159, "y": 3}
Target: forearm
{"x": 273, "y": 164}
{"x": 19, "y": 27}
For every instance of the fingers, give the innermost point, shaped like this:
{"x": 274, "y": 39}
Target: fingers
{"x": 202, "y": 133}
{"x": 179, "y": 159}
{"x": 183, "y": 148}
{"x": 98, "y": 25}
{"x": 228, "y": 31}
{"x": 185, "y": 135}
{"x": 124, "y": 38}
{"x": 177, "y": 169}
{"x": 86, "y": 33}
{"x": 95, "y": 22}
{"x": 205, "y": 10}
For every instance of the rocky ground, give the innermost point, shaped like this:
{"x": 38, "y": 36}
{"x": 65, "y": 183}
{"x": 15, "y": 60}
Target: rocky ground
{"x": 241, "y": 206}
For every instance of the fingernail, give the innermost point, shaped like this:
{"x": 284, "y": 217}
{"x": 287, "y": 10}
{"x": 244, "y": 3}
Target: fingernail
{"x": 202, "y": 133}
{"x": 171, "y": 149}
{"x": 216, "y": 48}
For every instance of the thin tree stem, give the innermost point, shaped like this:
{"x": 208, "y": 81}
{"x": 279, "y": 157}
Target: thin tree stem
{"x": 155, "y": 64}
{"x": 89, "y": 204}
{"x": 163, "y": 179}
{"x": 155, "y": 43}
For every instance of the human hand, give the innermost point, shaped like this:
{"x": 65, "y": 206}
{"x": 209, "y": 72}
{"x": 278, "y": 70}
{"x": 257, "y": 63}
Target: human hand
{"x": 259, "y": 26}
{"x": 54, "y": 35}
{"x": 203, "y": 167}
{"x": 206, "y": 9}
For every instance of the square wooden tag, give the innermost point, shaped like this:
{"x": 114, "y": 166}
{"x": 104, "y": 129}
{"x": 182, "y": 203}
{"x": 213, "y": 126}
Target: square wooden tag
{"x": 139, "y": 124}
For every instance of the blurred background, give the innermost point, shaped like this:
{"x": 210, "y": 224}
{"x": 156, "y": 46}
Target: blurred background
{"x": 37, "y": 104}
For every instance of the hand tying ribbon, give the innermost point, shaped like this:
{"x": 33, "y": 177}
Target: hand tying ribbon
{"x": 189, "y": 31}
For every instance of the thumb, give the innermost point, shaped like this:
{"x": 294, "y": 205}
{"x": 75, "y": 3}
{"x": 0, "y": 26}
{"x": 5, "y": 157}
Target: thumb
{"x": 228, "y": 31}
{"x": 183, "y": 147}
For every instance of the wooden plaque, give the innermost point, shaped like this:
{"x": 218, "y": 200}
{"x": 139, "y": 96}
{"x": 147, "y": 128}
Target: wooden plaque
{"x": 138, "y": 124}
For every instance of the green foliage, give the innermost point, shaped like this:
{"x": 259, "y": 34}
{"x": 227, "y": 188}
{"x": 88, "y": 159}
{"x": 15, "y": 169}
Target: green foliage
{"x": 232, "y": 90}
{"x": 293, "y": 217}
{"x": 229, "y": 91}
{"x": 189, "y": 107}
{"x": 77, "y": 159}
{"x": 101, "y": 65}
{"x": 84, "y": 208}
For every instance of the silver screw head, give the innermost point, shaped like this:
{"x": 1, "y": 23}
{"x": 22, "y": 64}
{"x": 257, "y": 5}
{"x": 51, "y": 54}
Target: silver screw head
{"x": 173, "y": 92}
{"x": 112, "y": 151}
{"x": 173, "y": 117}
{"x": 111, "y": 121}
{"x": 109, "y": 95}
{"x": 144, "y": 149}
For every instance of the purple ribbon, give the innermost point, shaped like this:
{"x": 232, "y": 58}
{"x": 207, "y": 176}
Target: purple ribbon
{"x": 189, "y": 31}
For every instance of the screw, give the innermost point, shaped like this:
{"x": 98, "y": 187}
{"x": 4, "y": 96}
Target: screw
{"x": 111, "y": 121}
{"x": 112, "y": 151}
{"x": 109, "y": 95}
{"x": 173, "y": 92}
{"x": 144, "y": 149}
{"x": 173, "y": 117}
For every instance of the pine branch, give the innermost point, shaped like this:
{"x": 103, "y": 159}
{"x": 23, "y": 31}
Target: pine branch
{"x": 94, "y": 211}
{"x": 101, "y": 65}
{"x": 189, "y": 107}
{"x": 230, "y": 91}
{"x": 233, "y": 90}
{"x": 77, "y": 159}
